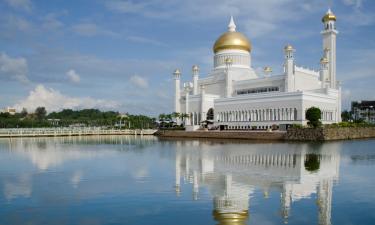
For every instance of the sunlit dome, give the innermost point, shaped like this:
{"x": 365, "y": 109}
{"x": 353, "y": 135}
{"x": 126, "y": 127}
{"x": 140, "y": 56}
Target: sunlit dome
{"x": 329, "y": 16}
{"x": 232, "y": 40}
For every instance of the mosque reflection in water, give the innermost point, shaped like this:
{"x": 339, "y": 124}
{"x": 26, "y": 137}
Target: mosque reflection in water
{"x": 231, "y": 177}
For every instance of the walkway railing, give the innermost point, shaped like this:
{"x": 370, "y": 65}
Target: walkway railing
{"x": 39, "y": 132}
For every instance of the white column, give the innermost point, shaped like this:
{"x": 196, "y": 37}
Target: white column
{"x": 187, "y": 106}
{"x": 203, "y": 105}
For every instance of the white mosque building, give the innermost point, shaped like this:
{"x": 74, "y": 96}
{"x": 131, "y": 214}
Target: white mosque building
{"x": 234, "y": 96}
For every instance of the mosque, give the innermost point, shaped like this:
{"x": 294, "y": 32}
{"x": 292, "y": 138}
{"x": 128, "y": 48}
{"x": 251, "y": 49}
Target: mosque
{"x": 235, "y": 178}
{"x": 234, "y": 96}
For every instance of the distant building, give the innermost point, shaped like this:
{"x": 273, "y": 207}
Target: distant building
{"x": 364, "y": 110}
{"x": 10, "y": 110}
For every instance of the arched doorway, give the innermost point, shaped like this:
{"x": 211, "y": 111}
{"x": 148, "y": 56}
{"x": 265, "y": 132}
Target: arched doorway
{"x": 210, "y": 114}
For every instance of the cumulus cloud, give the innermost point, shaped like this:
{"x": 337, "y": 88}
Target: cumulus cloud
{"x": 13, "y": 68}
{"x": 139, "y": 81}
{"x": 53, "y": 100}
{"x": 73, "y": 76}
{"x": 24, "y": 5}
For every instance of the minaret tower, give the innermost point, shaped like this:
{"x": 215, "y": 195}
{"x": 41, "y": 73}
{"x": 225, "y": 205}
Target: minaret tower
{"x": 195, "y": 71}
{"x": 177, "y": 76}
{"x": 289, "y": 68}
{"x": 329, "y": 44}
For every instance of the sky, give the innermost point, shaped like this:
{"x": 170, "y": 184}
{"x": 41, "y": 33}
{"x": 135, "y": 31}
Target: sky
{"x": 120, "y": 54}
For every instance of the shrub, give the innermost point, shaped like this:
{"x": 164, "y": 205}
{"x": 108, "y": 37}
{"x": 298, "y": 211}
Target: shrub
{"x": 313, "y": 115}
{"x": 298, "y": 126}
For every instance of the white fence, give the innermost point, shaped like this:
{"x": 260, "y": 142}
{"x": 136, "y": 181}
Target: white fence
{"x": 39, "y": 132}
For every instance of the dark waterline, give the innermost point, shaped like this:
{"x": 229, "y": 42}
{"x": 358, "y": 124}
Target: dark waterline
{"x": 144, "y": 180}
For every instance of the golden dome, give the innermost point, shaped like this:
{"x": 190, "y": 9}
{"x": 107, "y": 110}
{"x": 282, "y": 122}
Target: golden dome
{"x": 323, "y": 60}
{"x": 267, "y": 69}
{"x": 232, "y": 40}
{"x": 288, "y": 47}
{"x": 329, "y": 16}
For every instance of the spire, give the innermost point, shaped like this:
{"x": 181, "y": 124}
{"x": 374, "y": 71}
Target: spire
{"x": 231, "y": 25}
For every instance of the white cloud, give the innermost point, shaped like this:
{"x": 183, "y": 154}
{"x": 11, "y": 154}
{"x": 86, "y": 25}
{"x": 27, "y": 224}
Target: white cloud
{"x": 125, "y": 6}
{"x": 144, "y": 40}
{"x": 266, "y": 16}
{"x": 73, "y": 76}
{"x": 14, "y": 68}
{"x": 20, "y": 4}
{"x": 50, "y": 21}
{"x": 139, "y": 81}
{"x": 53, "y": 100}
{"x": 91, "y": 30}
{"x": 355, "y": 3}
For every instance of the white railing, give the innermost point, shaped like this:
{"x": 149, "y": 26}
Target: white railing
{"x": 31, "y": 132}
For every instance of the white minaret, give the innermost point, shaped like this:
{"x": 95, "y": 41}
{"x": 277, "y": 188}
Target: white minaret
{"x": 177, "y": 76}
{"x": 289, "y": 68}
{"x": 329, "y": 43}
{"x": 195, "y": 71}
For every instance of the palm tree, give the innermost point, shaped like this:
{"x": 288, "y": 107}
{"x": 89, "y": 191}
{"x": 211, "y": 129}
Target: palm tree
{"x": 184, "y": 116}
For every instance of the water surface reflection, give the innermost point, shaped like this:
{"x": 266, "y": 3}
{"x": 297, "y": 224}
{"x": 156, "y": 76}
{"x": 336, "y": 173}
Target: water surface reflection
{"x": 143, "y": 180}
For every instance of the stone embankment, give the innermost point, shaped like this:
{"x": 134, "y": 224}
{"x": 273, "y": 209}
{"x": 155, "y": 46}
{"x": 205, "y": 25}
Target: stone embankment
{"x": 244, "y": 135}
{"x": 329, "y": 134}
{"x": 293, "y": 134}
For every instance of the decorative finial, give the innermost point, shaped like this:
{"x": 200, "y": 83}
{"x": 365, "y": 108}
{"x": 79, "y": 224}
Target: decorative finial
{"x": 231, "y": 25}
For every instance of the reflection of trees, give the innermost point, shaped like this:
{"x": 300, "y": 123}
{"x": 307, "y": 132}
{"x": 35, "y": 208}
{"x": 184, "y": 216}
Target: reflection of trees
{"x": 312, "y": 162}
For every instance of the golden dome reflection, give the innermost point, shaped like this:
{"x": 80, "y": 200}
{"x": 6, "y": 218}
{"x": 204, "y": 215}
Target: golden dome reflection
{"x": 233, "y": 218}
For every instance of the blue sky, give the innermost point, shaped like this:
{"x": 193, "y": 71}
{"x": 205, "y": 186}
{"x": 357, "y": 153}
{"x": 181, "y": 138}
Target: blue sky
{"x": 120, "y": 54}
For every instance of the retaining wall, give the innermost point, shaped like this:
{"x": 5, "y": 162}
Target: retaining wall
{"x": 325, "y": 134}
{"x": 245, "y": 135}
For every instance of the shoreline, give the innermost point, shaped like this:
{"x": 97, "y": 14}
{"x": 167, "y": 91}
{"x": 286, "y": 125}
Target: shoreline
{"x": 293, "y": 134}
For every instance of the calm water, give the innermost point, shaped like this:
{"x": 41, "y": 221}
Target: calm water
{"x": 134, "y": 180}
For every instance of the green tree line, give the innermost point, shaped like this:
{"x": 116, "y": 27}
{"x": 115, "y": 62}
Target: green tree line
{"x": 69, "y": 117}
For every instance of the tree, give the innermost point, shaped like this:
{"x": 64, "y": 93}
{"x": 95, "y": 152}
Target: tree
{"x": 40, "y": 112}
{"x": 313, "y": 115}
{"x": 346, "y": 116}
{"x": 23, "y": 112}
{"x": 176, "y": 115}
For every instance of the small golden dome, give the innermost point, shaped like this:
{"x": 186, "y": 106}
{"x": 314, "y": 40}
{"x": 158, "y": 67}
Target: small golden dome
{"x": 329, "y": 16}
{"x": 232, "y": 40}
{"x": 267, "y": 69}
{"x": 323, "y": 60}
{"x": 288, "y": 47}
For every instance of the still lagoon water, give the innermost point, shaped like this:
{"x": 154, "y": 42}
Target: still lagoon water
{"x": 144, "y": 180}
